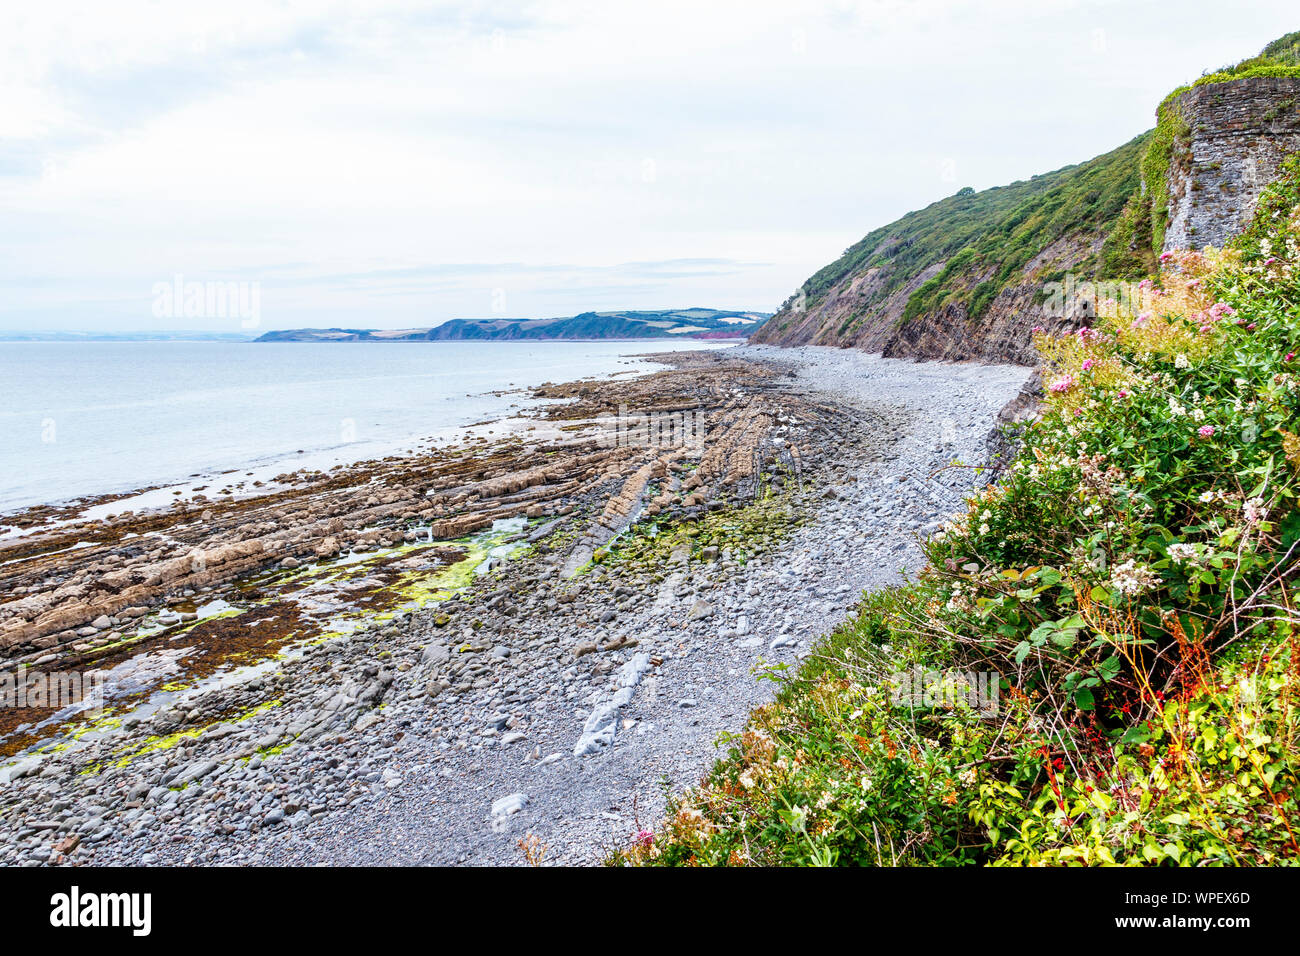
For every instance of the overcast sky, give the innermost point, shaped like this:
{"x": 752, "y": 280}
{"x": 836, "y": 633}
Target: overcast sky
{"x": 397, "y": 164}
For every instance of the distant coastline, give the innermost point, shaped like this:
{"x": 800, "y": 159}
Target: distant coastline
{"x": 696, "y": 323}
{"x": 628, "y": 325}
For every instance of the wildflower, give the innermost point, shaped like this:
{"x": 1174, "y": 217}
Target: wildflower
{"x": 643, "y": 839}
{"x": 1206, "y": 431}
{"x": 967, "y": 776}
{"x": 1062, "y": 385}
{"x": 984, "y": 528}
{"x": 1180, "y": 361}
{"x": 1289, "y": 356}
{"x": 1181, "y": 553}
{"x": 1133, "y": 578}
{"x": 1254, "y": 511}
{"x": 1087, "y": 365}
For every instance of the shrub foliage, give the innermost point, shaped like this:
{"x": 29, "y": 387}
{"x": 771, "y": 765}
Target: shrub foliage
{"x": 1131, "y": 578}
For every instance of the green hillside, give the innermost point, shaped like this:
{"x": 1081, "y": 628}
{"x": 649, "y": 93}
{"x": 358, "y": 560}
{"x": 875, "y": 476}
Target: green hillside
{"x": 998, "y": 229}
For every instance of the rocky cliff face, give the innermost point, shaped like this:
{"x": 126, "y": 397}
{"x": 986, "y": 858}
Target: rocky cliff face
{"x": 1240, "y": 133}
{"x": 1031, "y": 261}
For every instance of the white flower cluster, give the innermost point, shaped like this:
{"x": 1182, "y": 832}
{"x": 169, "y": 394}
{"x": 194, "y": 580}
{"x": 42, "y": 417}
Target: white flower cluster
{"x": 1133, "y": 578}
{"x": 960, "y": 602}
{"x": 1182, "y": 553}
{"x": 1254, "y": 511}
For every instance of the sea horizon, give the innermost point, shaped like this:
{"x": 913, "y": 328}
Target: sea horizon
{"x": 81, "y": 420}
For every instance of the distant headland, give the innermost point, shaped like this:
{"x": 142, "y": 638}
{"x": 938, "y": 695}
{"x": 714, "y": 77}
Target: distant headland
{"x": 665, "y": 324}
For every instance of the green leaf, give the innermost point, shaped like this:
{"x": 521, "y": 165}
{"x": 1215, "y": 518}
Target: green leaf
{"x": 1268, "y": 473}
{"x": 1136, "y": 735}
{"x": 1063, "y": 638}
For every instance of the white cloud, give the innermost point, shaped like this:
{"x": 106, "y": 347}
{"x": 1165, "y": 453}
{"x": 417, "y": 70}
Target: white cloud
{"x": 296, "y": 142}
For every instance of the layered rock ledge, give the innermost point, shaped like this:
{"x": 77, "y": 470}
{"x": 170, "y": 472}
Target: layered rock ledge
{"x": 486, "y": 653}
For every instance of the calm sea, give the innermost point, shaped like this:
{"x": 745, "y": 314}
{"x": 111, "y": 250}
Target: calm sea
{"x": 87, "y": 418}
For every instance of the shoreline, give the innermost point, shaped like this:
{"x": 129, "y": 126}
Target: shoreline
{"x": 513, "y": 670}
{"x": 248, "y": 478}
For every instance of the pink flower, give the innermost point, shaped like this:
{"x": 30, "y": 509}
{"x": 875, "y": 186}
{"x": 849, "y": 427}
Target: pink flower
{"x": 1206, "y": 431}
{"x": 1166, "y": 256}
{"x": 1289, "y": 356}
{"x": 1206, "y": 328}
{"x": 1087, "y": 366}
{"x": 643, "y": 838}
{"x": 1062, "y": 384}
{"x": 1123, "y": 393}
{"x": 1039, "y": 330}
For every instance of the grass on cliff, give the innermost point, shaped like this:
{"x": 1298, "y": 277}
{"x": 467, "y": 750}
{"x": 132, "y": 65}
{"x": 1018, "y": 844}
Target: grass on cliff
{"x": 1139, "y": 233}
{"x": 1280, "y": 58}
{"x": 992, "y": 234}
{"x": 984, "y": 240}
{"x": 1132, "y": 581}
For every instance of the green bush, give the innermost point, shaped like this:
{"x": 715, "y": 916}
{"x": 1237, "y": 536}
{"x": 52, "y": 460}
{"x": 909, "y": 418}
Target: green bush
{"x": 1132, "y": 579}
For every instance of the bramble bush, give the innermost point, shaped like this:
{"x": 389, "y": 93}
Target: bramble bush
{"x": 1131, "y": 577}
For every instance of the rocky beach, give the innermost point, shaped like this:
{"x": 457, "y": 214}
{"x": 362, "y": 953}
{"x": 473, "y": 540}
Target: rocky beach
{"x": 495, "y": 652}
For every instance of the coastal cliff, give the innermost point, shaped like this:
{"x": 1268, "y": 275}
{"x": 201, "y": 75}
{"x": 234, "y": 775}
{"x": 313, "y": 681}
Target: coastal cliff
{"x": 1238, "y": 133}
{"x": 970, "y": 276}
